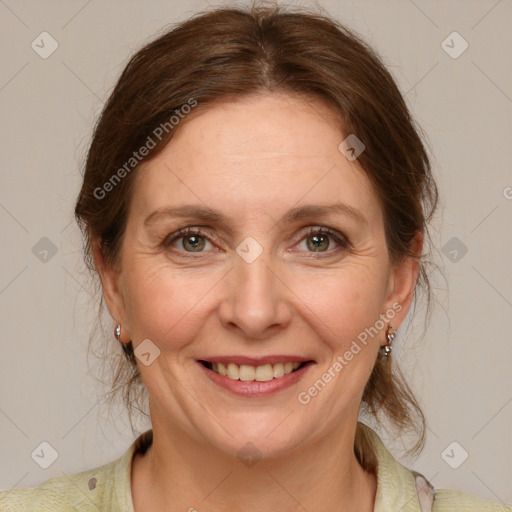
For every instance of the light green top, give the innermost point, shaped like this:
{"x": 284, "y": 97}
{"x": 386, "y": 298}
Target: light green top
{"x": 107, "y": 488}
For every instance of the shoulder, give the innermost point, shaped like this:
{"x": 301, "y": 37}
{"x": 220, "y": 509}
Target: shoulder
{"x": 104, "y": 488}
{"x": 400, "y": 488}
{"x": 447, "y": 500}
{"x": 444, "y": 500}
{"x": 81, "y": 491}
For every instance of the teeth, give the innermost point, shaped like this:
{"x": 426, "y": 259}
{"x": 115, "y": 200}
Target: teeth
{"x": 262, "y": 373}
{"x": 278, "y": 370}
{"x": 233, "y": 371}
{"x": 221, "y": 369}
{"x": 247, "y": 372}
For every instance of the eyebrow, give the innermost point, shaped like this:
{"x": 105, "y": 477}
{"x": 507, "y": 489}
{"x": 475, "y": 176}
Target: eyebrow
{"x": 205, "y": 213}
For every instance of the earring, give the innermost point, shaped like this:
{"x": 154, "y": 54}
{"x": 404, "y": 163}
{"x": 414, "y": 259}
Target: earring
{"x": 390, "y": 335}
{"x": 117, "y": 333}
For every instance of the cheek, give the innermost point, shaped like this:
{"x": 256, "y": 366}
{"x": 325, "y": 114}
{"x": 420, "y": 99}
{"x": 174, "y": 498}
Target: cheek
{"x": 341, "y": 311}
{"x": 164, "y": 305}
{"x": 342, "y": 304}
{"x": 171, "y": 307}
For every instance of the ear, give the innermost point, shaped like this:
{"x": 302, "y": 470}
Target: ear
{"x": 112, "y": 288}
{"x": 402, "y": 281}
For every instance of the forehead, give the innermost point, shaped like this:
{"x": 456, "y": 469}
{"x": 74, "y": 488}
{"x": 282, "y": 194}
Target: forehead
{"x": 265, "y": 154}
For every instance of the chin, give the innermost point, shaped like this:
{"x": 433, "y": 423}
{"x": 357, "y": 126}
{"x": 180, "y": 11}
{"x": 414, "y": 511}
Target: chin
{"x": 254, "y": 438}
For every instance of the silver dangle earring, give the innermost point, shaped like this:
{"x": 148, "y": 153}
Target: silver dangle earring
{"x": 117, "y": 332}
{"x": 390, "y": 335}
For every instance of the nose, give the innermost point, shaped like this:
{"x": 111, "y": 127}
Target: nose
{"x": 256, "y": 301}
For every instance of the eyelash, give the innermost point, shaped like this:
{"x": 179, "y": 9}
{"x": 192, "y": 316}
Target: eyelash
{"x": 188, "y": 231}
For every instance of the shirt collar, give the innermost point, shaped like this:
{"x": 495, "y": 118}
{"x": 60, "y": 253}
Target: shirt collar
{"x": 396, "y": 488}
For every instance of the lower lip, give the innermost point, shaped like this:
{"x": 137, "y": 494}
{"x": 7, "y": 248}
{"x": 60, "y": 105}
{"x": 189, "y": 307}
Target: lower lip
{"x": 255, "y": 388}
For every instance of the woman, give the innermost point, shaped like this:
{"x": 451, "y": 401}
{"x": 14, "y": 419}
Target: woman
{"x": 255, "y": 202}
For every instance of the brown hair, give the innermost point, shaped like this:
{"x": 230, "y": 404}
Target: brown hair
{"x": 230, "y": 52}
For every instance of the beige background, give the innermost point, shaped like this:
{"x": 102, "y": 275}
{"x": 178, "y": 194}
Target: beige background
{"x": 461, "y": 370}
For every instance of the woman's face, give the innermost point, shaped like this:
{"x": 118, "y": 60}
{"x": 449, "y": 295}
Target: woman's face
{"x": 259, "y": 285}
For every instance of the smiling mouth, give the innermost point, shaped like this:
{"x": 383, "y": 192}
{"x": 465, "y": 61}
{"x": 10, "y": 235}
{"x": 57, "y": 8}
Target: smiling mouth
{"x": 248, "y": 373}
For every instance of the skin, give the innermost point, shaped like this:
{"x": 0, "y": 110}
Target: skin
{"x": 253, "y": 160}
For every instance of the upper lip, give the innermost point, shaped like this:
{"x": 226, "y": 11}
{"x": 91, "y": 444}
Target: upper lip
{"x": 256, "y": 361}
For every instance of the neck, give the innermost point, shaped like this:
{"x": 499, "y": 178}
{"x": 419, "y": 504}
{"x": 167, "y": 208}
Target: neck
{"x": 193, "y": 476}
